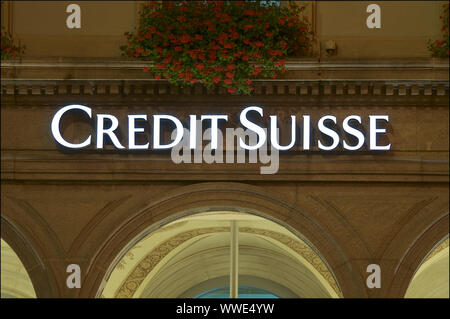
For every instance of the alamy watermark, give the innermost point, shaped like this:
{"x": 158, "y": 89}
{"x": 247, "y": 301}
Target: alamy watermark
{"x": 230, "y": 151}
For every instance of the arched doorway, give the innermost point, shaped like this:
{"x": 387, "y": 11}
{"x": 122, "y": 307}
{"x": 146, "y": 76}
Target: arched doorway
{"x": 190, "y": 257}
{"x": 431, "y": 279}
{"x": 15, "y": 281}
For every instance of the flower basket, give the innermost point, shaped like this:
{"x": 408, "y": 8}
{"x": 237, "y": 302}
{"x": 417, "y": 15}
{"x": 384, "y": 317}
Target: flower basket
{"x": 9, "y": 49}
{"x": 440, "y": 48}
{"x": 218, "y": 42}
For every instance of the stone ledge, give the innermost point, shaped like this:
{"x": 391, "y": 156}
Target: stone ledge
{"x": 56, "y": 166}
{"x": 297, "y": 69}
{"x": 262, "y": 87}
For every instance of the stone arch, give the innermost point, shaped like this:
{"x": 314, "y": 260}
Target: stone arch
{"x": 405, "y": 266}
{"x": 431, "y": 279}
{"x": 15, "y": 282}
{"x": 203, "y": 197}
{"x": 26, "y": 249}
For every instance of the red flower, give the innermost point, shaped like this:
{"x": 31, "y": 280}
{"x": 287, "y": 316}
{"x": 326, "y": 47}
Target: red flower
{"x": 216, "y": 79}
{"x": 212, "y": 57}
{"x": 198, "y": 37}
{"x": 257, "y": 70}
{"x": 185, "y": 38}
{"x": 178, "y": 48}
{"x": 200, "y": 66}
{"x": 272, "y": 52}
{"x": 228, "y": 45}
{"x": 248, "y": 26}
{"x": 231, "y": 67}
{"x": 232, "y": 90}
{"x": 227, "y": 81}
{"x": 201, "y": 57}
{"x": 259, "y": 44}
{"x": 152, "y": 29}
{"x": 214, "y": 46}
{"x": 181, "y": 19}
{"x": 192, "y": 53}
{"x": 246, "y": 41}
{"x": 157, "y": 76}
{"x": 229, "y": 75}
{"x": 145, "y": 69}
{"x": 248, "y": 81}
{"x": 225, "y": 18}
{"x": 269, "y": 34}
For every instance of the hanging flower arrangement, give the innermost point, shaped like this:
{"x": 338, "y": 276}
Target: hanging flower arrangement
{"x": 9, "y": 49}
{"x": 226, "y": 43}
{"x": 439, "y": 48}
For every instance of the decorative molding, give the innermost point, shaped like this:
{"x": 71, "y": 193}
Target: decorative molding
{"x": 130, "y": 285}
{"x": 146, "y": 265}
{"x": 304, "y": 77}
{"x": 292, "y": 87}
{"x": 438, "y": 249}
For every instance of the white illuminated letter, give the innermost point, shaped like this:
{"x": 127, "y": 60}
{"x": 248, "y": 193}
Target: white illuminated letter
{"x": 274, "y": 131}
{"x": 374, "y": 20}
{"x": 214, "y": 127}
{"x": 110, "y": 131}
{"x": 306, "y": 132}
{"x": 253, "y": 127}
{"x": 55, "y": 125}
{"x": 73, "y": 21}
{"x": 132, "y": 130}
{"x": 193, "y": 132}
{"x": 374, "y": 130}
{"x": 325, "y": 130}
{"x": 156, "y": 133}
{"x": 352, "y": 131}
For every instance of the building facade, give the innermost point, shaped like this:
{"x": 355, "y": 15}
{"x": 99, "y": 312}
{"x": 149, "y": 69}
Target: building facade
{"x": 137, "y": 224}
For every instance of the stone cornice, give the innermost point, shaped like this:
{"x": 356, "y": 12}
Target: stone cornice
{"x": 289, "y": 87}
{"x": 305, "y": 77}
{"x": 296, "y": 69}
